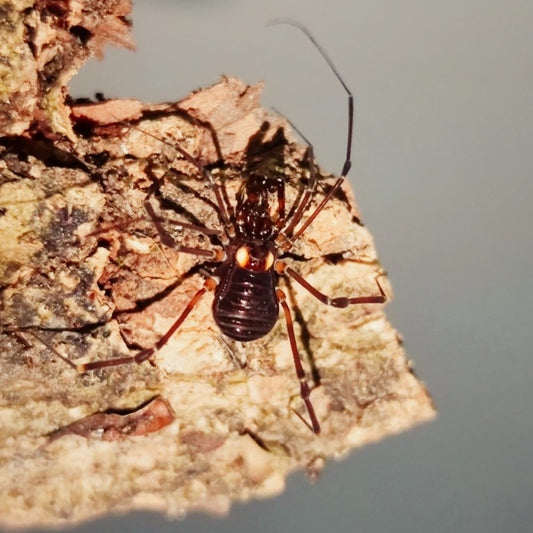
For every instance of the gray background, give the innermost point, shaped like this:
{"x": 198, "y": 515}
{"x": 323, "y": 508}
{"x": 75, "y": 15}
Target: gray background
{"x": 443, "y": 175}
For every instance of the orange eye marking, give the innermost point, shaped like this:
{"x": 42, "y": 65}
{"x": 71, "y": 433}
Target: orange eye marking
{"x": 242, "y": 256}
{"x": 269, "y": 261}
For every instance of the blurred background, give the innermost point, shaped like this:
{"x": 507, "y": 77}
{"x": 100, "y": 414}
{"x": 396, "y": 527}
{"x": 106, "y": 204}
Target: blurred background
{"x": 443, "y": 173}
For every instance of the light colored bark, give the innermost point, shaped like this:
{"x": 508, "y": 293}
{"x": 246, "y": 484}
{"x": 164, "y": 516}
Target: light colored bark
{"x": 235, "y": 432}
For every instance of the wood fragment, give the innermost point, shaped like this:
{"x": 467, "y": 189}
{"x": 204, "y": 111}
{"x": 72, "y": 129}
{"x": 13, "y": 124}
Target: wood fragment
{"x": 102, "y": 294}
{"x": 42, "y": 46}
{"x": 114, "y": 426}
{"x": 81, "y": 265}
{"x": 108, "y": 112}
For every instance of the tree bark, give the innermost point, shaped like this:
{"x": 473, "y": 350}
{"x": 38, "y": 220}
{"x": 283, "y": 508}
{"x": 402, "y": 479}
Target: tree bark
{"x": 84, "y": 275}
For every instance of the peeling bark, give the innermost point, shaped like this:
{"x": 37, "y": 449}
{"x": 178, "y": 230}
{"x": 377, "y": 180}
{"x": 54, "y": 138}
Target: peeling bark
{"x": 84, "y": 276}
{"x": 116, "y": 426}
{"x": 43, "y": 45}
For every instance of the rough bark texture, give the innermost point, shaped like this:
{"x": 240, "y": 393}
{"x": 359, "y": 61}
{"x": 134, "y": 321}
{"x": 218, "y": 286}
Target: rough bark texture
{"x": 43, "y": 44}
{"x": 83, "y": 273}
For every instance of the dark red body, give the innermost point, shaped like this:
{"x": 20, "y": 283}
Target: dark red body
{"x": 245, "y": 306}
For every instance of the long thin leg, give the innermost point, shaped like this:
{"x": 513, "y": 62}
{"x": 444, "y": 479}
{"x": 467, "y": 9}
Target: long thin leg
{"x": 168, "y": 241}
{"x": 51, "y": 348}
{"x": 307, "y": 195}
{"x": 143, "y": 355}
{"x": 341, "y": 301}
{"x": 179, "y": 224}
{"x": 303, "y": 200}
{"x": 165, "y": 238}
{"x": 305, "y": 391}
{"x": 201, "y": 168}
{"x": 319, "y": 208}
{"x": 349, "y": 141}
{"x": 351, "y": 114}
{"x": 214, "y": 184}
{"x": 122, "y": 224}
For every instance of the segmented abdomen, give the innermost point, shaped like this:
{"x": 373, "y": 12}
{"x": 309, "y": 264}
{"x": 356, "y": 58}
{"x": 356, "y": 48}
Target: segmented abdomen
{"x": 245, "y": 306}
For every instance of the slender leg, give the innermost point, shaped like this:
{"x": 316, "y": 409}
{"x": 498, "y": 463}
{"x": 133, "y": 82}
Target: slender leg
{"x": 320, "y": 206}
{"x": 201, "y": 168}
{"x": 214, "y": 184}
{"x": 179, "y": 223}
{"x": 341, "y": 301}
{"x": 168, "y": 241}
{"x": 305, "y": 391}
{"x": 289, "y": 22}
{"x": 349, "y": 140}
{"x": 120, "y": 224}
{"x": 143, "y": 355}
{"x": 51, "y": 348}
{"x": 308, "y": 192}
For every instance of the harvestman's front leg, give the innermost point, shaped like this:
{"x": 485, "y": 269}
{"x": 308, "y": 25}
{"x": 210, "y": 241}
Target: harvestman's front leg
{"x": 305, "y": 390}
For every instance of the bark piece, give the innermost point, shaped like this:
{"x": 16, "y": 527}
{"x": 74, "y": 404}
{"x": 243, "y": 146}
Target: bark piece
{"x": 42, "y": 45}
{"x": 84, "y": 276}
{"x": 83, "y": 267}
{"x": 115, "y": 426}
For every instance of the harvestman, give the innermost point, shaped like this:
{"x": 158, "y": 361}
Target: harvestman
{"x": 249, "y": 259}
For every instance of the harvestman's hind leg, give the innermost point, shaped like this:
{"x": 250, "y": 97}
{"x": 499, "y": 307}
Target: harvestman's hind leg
{"x": 305, "y": 390}
{"x": 146, "y": 354}
{"x": 340, "y": 301}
